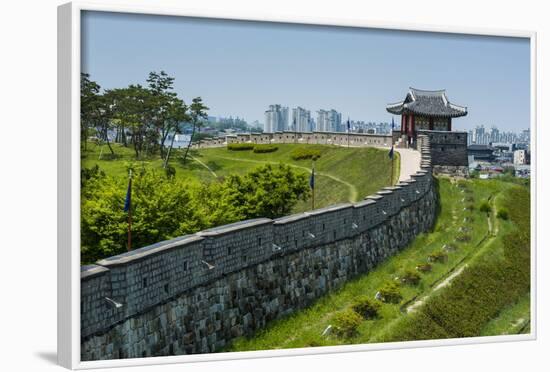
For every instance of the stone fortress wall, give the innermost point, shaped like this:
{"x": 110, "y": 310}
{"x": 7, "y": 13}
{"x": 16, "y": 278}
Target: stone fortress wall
{"x": 319, "y": 138}
{"x": 196, "y": 293}
{"x": 449, "y": 151}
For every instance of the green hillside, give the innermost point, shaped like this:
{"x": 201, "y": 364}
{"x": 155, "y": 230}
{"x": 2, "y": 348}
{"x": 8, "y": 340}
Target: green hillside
{"x": 480, "y": 288}
{"x": 342, "y": 174}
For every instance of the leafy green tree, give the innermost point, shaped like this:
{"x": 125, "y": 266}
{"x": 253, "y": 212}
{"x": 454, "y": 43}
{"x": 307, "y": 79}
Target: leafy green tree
{"x": 162, "y": 99}
{"x": 165, "y": 207}
{"x": 89, "y": 106}
{"x": 132, "y": 108}
{"x": 162, "y": 208}
{"x": 269, "y": 191}
{"x": 197, "y": 113}
{"x": 176, "y": 113}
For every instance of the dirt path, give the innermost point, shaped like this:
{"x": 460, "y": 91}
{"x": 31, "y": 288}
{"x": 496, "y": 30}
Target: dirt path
{"x": 441, "y": 285}
{"x": 204, "y": 165}
{"x": 352, "y": 189}
{"x": 492, "y": 231}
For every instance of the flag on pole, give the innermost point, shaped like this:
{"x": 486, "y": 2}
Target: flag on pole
{"x": 349, "y": 126}
{"x": 128, "y": 201}
{"x": 312, "y": 178}
{"x": 392, "y": 124}
{"x": 390, "y": 155}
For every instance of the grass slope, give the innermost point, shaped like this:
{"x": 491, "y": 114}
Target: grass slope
{"x": 342, "y": 174}
{"x": 459, "y": 216}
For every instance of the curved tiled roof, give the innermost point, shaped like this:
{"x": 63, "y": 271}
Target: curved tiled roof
{"x": 427, "y": 103}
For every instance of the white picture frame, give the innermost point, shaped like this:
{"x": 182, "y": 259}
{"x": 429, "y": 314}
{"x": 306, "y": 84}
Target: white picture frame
{"x": 69, "y": 183}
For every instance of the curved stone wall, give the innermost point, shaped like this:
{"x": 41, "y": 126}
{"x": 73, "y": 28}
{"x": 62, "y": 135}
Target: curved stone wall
{"x": 194, "y": 294}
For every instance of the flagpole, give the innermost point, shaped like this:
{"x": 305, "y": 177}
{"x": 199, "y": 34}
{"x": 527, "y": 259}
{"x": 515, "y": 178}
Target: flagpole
{"x": 313, "y": 184}
{"x": 391, "y": 174}
{"x": 130, "y": 215}
{"x": 348, "y": 130}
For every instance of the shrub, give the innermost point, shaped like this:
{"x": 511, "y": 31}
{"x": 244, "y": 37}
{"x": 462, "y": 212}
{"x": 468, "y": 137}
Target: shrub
{"x": 424, "y": 267}
{"x": 240, "y": 146}
{"x": 346, "y": 322}
{"x": 302, "y": 153}
{"x": 389, "y": 293}
{"x": 170, "y": 171}
{"x": 265, "y": 148}
{"x": 463, "y": 238}
{"x": 485, "y": 207}
{"x": 449, "y": 247}
{"x": 410, "y": 277}
{"x": 437, "y": 256}
{"x": 365, "y": 307}
{"x": 503, "y": 214}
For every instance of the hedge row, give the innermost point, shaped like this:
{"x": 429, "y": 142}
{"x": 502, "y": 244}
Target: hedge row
{"x": 240, "y": 146}
{"x": 251, "y": 146}
{"x": 265, "y": 148}
{"x": 302, "y": 153}
{"x": 483, "y": 289}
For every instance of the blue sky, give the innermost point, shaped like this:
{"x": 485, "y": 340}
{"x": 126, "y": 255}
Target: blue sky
{"x": 239, "y": 68}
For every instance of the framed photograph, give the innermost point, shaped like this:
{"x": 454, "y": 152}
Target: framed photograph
{"x": 236, "y": 187}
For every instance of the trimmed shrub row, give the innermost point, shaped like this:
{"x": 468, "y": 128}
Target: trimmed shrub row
{"x": 302, "y": 153}
{"x": 240, "y": 146}
{"x": 265, "y": 148}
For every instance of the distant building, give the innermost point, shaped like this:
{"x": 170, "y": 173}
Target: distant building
{"x": 481, "y": 152}
{"x": 520, "y": 157}
{"x": 329, "y": 121}
{"x": 301, "y": 120}
{"x": 276, "y": 119}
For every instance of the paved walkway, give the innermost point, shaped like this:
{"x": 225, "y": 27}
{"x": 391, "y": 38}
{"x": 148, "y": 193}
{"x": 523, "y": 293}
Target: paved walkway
{"x": 410, "y": 163}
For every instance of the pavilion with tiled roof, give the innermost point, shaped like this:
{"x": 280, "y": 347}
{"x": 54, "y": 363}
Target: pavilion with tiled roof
{"x": 425, "y": 110}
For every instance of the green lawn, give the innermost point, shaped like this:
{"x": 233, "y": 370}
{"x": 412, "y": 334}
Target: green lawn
{"x": 513, "y": 319}
{"x": 456, "y": 218}
{"x": 342, "y": 174}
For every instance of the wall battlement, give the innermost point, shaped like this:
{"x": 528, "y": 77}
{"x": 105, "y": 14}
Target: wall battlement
{"x": 197, "y": 292}
{"x": 318, "y": 138}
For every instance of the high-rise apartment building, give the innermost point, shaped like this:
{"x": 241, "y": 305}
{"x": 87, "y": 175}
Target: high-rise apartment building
{"x": 276, "y": 119}
{"x": 301, "y": 120}
{"x": 329, "y": 121}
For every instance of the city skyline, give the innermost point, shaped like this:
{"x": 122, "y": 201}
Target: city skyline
{"x": 240, "y": 68}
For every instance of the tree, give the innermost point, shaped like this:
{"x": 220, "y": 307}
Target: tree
{"x": 197, "y": 113}
{"x": 268, "y": 191}
{"x": 177, "y": 113}
{"x": 103, "y": 119}
{"x": 89, "y": 102}
{"x": 131, "y": 108}
{"x": 162, "y": 98}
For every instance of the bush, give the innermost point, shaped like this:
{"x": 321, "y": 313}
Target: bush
{"x": 463, "y": 238}
{"x": 449, "y": 247}
{"x": 240, "y": 146}
{"x": 485, "y": 207}
{"x": 410, "y": 277}
{"x": 302, "y": 153}
{"x": 437, "y": 256}
{"x": 365, "y": 307}
{"x": 389, "y": 293}
{"x": 503, "y": 214}
{"x": 170, "y": 171}
{"x": 424, "y": 267}
{"x": 346, "y": 322}
{"x": 265, "y": 148}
